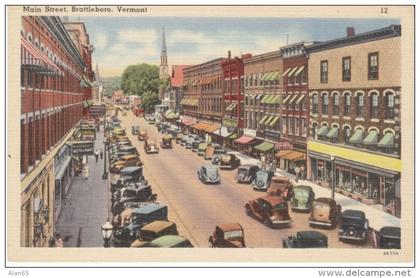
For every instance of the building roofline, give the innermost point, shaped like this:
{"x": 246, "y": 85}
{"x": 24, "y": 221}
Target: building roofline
{"x": 193, "y": 67}
{"x": 383, "y": 33}
{"x": 265, "y": 55}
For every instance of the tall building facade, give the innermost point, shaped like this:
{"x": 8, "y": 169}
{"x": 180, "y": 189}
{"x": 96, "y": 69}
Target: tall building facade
{"x": 52, "y": 70}
{"x": 355, "y": 130}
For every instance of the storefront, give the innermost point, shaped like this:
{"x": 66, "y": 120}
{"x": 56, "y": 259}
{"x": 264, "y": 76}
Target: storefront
{"x": 288, "y": 158}
{"x": 245, "y": 144}
{"x": 265, "y": 151}
{"x": 63, "y": 172}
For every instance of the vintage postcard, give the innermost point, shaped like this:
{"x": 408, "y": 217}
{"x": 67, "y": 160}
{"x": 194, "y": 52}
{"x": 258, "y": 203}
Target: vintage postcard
{"x": 230, "y": 134}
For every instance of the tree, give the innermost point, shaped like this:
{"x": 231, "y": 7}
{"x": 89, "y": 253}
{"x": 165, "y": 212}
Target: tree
{"x": 148, "y": 101}
{"x": 139, "y": 79}
{"x": 111, "y": 84}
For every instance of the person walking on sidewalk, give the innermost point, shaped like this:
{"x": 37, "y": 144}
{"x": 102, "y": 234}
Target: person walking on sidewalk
{"x": 96, "y": 155}
{"x": 86, "y": 171}
{"x": 297, "y": 172}
{"x": 102, "y": 153}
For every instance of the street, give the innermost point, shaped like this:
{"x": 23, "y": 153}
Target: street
{"x": 196, "y": 207}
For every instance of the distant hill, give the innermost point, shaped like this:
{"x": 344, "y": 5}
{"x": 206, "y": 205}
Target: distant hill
{"x": 111, "y": 84}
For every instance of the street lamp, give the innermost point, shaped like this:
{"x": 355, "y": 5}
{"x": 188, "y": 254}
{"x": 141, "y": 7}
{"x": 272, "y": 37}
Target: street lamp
{"x": 105, "y": 174}
{"x": 333, "y": 177}
{"x": 107, "y": 230}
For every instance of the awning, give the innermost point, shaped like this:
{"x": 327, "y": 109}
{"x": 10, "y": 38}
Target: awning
{"x": 263, "y": 120}
{"x": 322, "y": 131}
{"x": 276, "y": 76}
{"x": 270, "y": 76}
{"x": 253, "y": 96}
{"x": 199, "y": 126}
{"x": 276, "y": 100}
{"x": 167, "y": 113}
{"x": 294, "y": 156}
{"x": 233, "y": 136}
{"x": 59, "y": 175}
{"x": 276, "y": 118}
{"x": 223, "y": 132}
{"x": 387, "y": 141}
{"x": 259, "y": 96}
{"x": 37, "y": 60}
{"x": 357, "y": 137}
{"x": 268, "y": 120}
{"x": 187, "y": 121}
{"x": 265, "y": 76}
{"x": 283, "y": 153}
{"x": 333, "y": 133}
{"x": 244, "y": 140}
{"x": 211, "y": 128}
{"x": 293, "y": 99}
{"x": 230, "y": 122}
{"x": 270, "y": 99}
{"x": 286, "y": 99}
{"x": 286, "y": 72}
{"x": 264, "y": 147}
{"x": 265, "y": 99}
{"x": 231, "y": 106}
{"x": 299, "y": 70}
{"x": 300, "y": 99}
{"x": 292, "y": 71}
{"x": 372, "y": 138}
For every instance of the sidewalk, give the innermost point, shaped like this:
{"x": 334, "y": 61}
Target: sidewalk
{"x": 377, "y": 218}
{"x": 85, "y": 208}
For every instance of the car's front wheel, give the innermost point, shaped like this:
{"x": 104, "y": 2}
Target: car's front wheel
{"x": 248, "y": 211}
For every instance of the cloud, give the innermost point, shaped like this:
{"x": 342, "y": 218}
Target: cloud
{"x": 137, "y": 36}
{"x": 101, "y": 40}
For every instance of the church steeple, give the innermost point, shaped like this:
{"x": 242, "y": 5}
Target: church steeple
{"x": 97, "y": 76}
{"x": 163, "y": 58}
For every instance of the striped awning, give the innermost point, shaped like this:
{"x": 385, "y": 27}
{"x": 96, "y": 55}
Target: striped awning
{"x": 286, "y": 99}
{"x": 299, "y": 70}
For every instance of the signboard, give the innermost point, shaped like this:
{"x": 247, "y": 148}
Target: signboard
{"x": 80, "y": 148}
{"x": 273, "y": 134}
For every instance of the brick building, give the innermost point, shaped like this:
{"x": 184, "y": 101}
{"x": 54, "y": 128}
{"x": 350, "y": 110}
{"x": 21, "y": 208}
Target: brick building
{"x": 80, "y": 37}
{"x": 355, "y": 129}
{"x": 263, "y": 89}
{"x": 52, "y": 70}
{"x": 176, "y": 87}
{"x": 295, "y": 112}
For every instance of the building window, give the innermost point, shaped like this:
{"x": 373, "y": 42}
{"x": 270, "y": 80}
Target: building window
{"x": 373, "y": 66}
{"x": 336, "y": 107}
{"x": 297, "y": 122}
{"x": 325, "y": 104}
{"x": 360, "y": 104}
{"x": 347, "y": 104}
{"x": 374, "y": 105}
{"x": 390, "y": 103}
{"x": 324, "y": 71}
{"x": 304, "y": 127}
{"x": 346, "y": 68}
{"x": 315, "y": 104}
{"x": 347, "y": 135}
{"x": 314, "y": 131}
{"x": 291, "y": 126}
{"x": 22, "y": 146}
{"x": 284, "y": 125}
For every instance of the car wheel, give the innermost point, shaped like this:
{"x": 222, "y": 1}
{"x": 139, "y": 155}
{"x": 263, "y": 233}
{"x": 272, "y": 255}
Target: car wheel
{"x": 248, "y": 211}
{"x": 351, "y": 232}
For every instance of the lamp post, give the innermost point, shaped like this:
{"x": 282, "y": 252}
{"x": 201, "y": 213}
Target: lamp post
{"x": 333, "y": 177}
{"x": 105, "y": 174}
{"x": 107, "y": 230}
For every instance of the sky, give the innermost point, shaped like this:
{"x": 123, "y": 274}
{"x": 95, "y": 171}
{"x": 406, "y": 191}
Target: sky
{"x": 123, "y": 41}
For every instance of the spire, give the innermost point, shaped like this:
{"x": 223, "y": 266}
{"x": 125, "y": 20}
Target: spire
{"x": 163, "y": 42}
{"x": 97, "y": 76}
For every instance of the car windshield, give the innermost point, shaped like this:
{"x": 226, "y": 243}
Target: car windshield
{"x": 210, "y": 171}
{"x": 129, "y": 193}
{"x": 233, "y": 234}
{"x": 262, "y": 175}
{"x": 301, "y": 193}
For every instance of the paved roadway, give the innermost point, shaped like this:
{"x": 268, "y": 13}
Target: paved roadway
{"x": 197, "y": 208}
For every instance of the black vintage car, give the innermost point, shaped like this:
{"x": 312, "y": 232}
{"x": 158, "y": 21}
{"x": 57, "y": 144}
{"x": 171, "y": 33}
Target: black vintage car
{"x": 125, "y": 150}
{"x": 209, "y": 174}
{"x": 306, "y": 239}
{"x": 390, "y": 237}
{"x": 127, "y": 175}
{"x": 227, "y": 161}
{"x": 135, "y": 129}
{"x": 135, "y": 219}
{"x": 354, "y": 225}
{"x": 196, "y": 143}
{"x": 247, "y": 173}
{"x": 263, "y": 179}
{"x": 136, "y": 192}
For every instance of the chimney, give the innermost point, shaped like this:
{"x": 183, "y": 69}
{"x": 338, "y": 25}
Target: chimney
{"x": 229, "y": 55}
{"x": 350, "y": 32}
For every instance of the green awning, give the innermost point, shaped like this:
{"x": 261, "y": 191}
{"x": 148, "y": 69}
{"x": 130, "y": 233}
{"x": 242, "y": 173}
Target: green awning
{"x": 85, "y": 104}
{"x": 276, "y": 76}
{"x": 265, "y": 76}
{"x": 387, "y": 141}
{"x": 333, "y": 133}
{"x": 276, "y": 100}
{"x": 357, "y": 137}
{"x": 233, "y": 136}
{"x": 265, "y": 98}
{"x": 262, "y": 120}
{"x": 269, "y": 120}
{"x": 276, "y": 118}
{"x": 230, "y": 123}
{"x": 264, "y": 147}
{"x": 272, "y": 76}
{"x": 270, "y": 99}
{"x": 372, "y": 138}
{"x": 322, "y": 131}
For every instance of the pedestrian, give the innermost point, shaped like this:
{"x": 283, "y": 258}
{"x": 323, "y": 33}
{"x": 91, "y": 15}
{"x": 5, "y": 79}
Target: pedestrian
{"x": 302, "y": 172}
{"x": 96, "y": 155}
{"x": 297, "y": 172}
{"x": 102, "y": 153}
{"x": 86, "y": 171}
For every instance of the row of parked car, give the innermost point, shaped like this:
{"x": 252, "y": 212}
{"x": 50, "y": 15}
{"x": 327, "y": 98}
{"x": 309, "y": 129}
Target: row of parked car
{"x": 138, "y": 219}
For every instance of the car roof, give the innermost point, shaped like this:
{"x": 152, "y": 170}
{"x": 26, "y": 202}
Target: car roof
{"x": 167, "y": 241}
{"x": 352, "y": 213}
{"x": 129, "y": 156}
{"x": 302, "y": 187}
{"x": 390, "y": 231}
{"x": 230, "y": 227}
{"x": 127, "y": 147}
{"x": 150, "y": 207}
{"x": 130, "y": 169}
{"x": 157, "y": 225}
{"x": 280, "y": 178}
{"x": 324, "y": 200}
{"x": 247, "y": 166}
{"x": 208, "y": 166}
{"x": 311, "y": 235}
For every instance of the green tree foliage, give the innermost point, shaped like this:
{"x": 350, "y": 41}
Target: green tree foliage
{"x": 139, "y": 79}
{"x": 149, "y": 100}
{"x": 111, "y": 84}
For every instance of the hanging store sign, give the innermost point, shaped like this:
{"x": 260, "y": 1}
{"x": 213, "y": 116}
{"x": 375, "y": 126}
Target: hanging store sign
{"x": 82, "y": 147}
